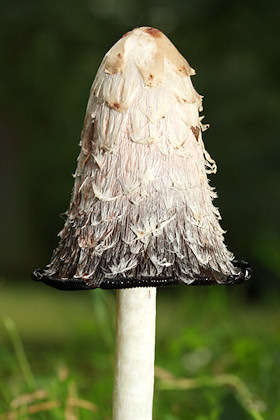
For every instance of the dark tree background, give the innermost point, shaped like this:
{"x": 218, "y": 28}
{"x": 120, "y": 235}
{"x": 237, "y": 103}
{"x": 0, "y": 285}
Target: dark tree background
{"x": 50, "y": 51}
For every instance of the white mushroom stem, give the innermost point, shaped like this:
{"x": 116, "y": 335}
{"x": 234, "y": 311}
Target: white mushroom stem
{"x": 134, "y": 354}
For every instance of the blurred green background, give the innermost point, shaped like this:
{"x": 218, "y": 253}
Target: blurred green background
{"x": 50, "y": 51}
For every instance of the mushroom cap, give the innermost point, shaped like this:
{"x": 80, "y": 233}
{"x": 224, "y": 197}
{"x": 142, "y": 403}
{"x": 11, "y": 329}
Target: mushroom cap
{"x": 141, "y": 212}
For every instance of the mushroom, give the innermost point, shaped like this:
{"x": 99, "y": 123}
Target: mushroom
{"x": 141, "y": 213}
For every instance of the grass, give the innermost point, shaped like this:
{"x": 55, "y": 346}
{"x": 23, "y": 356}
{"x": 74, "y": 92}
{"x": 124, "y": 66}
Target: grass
{"x": 217, "y": 355}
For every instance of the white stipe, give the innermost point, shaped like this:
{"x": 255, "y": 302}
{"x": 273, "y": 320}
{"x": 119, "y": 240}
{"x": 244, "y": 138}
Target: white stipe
{"x": 134, "y": 354}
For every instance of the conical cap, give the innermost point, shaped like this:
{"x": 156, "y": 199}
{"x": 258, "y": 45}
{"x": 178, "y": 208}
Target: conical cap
{"x": 141, "y": 211}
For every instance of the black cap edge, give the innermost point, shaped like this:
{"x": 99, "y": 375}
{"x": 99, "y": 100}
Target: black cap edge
{"x": 131, "y": 282}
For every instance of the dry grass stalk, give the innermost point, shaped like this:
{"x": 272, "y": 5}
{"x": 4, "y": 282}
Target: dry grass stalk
{"x": 30, "y": 409}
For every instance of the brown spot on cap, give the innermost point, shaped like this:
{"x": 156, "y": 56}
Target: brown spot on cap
{"x": 116, "y": 105}
{"x": 114, "y": 61}
{"x": 124, "y": 35}
{"x": 153, "y": 32}
{"x": 183, "y": 69}
{"x": 195, "y": 131}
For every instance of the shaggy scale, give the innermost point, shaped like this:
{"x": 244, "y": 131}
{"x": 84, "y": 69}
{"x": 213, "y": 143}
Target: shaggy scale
{"x": 141, "y": 212}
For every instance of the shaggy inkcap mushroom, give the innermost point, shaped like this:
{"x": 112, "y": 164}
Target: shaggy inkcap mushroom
{"x": 141, "y": 212}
